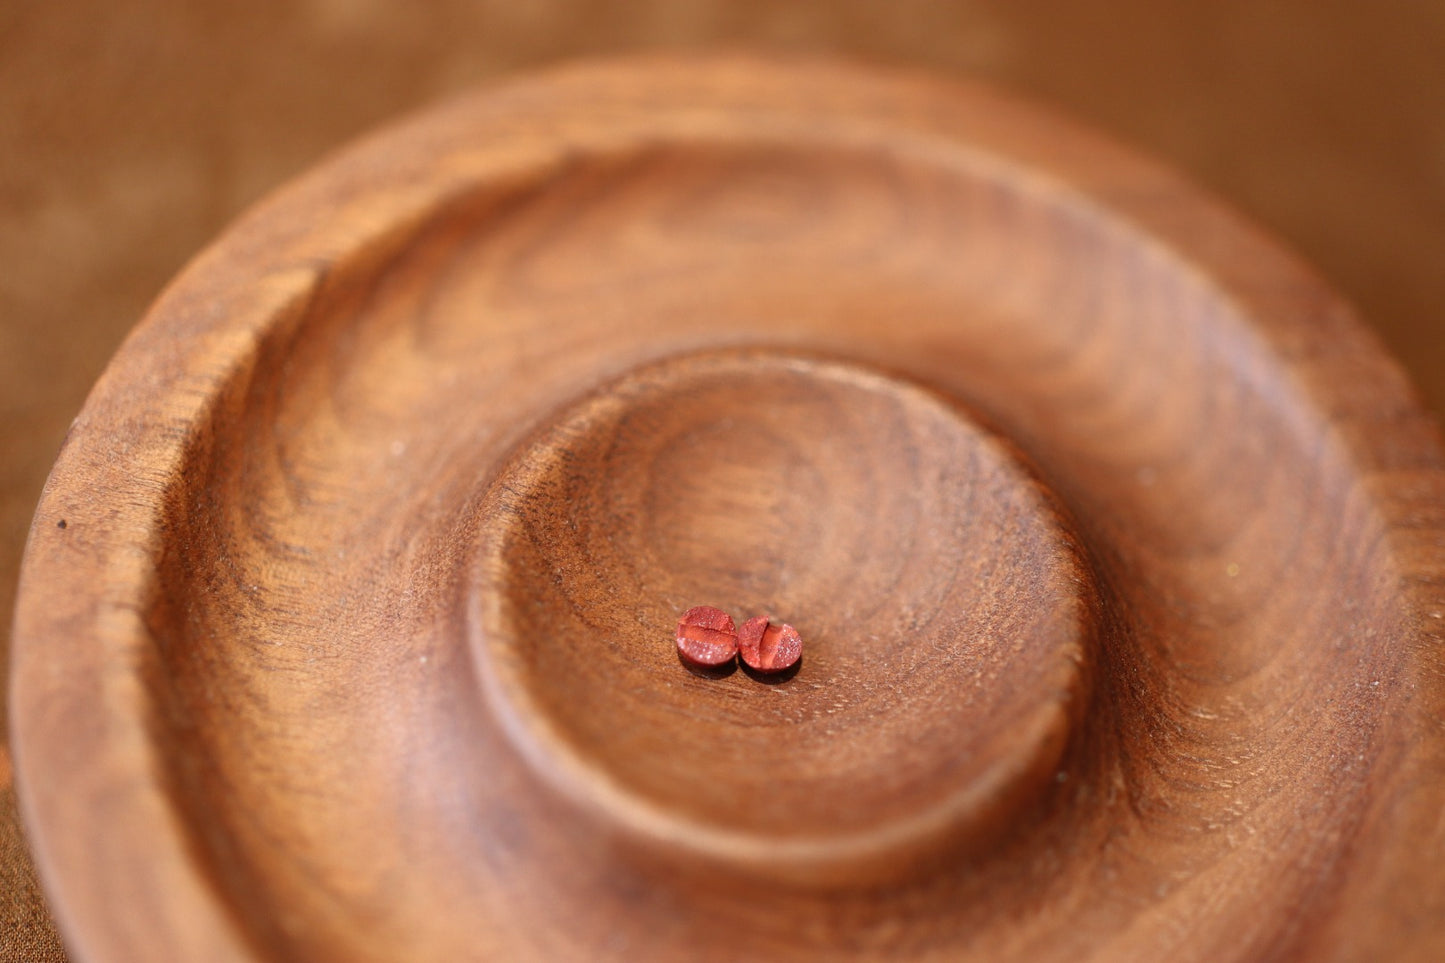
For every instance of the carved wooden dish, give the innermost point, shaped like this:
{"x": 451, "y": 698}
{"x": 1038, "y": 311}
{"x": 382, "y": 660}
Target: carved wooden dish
{"x": 345, "y": 631}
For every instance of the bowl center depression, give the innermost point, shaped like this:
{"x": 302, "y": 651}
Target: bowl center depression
{"x": 943, "y": 607}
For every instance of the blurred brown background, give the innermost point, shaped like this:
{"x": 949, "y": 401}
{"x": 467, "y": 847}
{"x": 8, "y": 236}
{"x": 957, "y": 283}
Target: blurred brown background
{"x": 131, "y": 133}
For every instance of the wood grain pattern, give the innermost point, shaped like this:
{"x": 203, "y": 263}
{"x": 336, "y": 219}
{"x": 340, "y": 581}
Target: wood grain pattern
{"x": 1114, "y": 539}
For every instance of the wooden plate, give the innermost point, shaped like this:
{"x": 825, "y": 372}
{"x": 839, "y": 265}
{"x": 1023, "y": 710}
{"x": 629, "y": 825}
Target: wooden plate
{"x": 345, "y": 630}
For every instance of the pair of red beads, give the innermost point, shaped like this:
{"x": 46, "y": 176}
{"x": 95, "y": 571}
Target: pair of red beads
{"x": 706, "y": 637}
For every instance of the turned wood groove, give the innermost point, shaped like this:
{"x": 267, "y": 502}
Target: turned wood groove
{"x": 1114, "y": 541}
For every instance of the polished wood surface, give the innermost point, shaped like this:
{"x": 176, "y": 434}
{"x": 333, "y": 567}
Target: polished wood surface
{"x": 1113, "y": 537}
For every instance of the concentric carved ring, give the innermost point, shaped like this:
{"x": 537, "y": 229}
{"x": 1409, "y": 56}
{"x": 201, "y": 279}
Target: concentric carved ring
{"x": 947, "y": 609}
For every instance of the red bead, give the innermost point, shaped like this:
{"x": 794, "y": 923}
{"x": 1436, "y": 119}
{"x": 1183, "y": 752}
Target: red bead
{"x": 706, "y": 636}
{"x": 767, "y": 647}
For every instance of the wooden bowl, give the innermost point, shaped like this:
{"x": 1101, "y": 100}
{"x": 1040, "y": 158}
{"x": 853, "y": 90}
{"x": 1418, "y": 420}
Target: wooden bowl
{"x": 346, "y": 624}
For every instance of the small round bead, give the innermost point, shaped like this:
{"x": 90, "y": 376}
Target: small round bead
{"x": 766, "y": 647}
{"x": 706, "y": 636}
